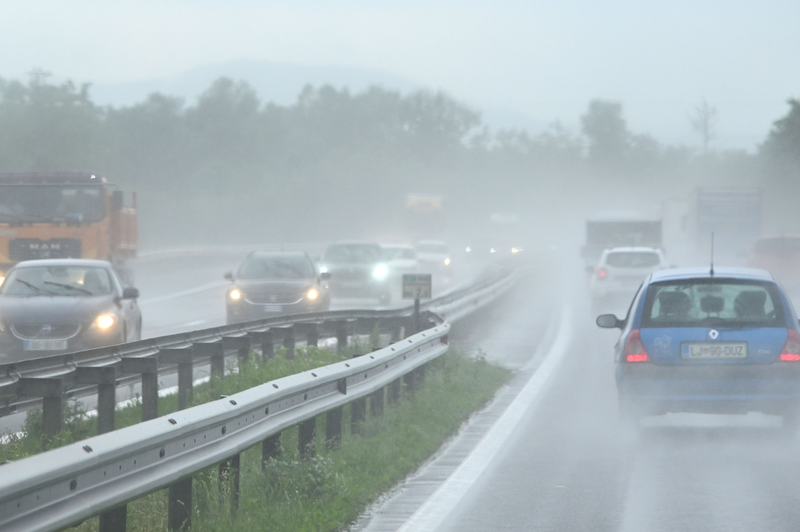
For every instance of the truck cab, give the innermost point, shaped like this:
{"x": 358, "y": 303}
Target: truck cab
{"x": 49, "y": 215}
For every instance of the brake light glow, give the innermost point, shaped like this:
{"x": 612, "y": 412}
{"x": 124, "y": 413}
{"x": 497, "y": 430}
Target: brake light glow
{"x": 791, "y": 349}
{"x": 634, "y": 349}
{"x": 602, "y": 273}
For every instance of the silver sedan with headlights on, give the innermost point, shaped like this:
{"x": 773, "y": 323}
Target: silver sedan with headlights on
{"x": 274, "y": 283}
{"x": 63, "y": 305}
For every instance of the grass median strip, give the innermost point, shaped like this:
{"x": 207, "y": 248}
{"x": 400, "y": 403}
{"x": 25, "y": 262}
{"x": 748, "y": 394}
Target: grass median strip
{"x": 329, "y": 491}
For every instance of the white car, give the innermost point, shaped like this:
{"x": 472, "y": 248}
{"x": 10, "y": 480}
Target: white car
{"x": 400, "y": 259}
{"x": 620, "y": 271}
{"x": 434, "y": 258}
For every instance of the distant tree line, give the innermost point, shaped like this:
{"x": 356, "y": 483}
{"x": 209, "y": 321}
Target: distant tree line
{"x": 338, "y": 164}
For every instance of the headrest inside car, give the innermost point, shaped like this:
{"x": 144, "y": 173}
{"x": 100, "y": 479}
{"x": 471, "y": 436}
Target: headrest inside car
{"x": 712, "y": 304}
{"x": 673, "y": 304}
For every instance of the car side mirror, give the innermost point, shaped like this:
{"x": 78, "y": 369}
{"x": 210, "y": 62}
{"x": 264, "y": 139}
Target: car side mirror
{"x": 130, "y": 293}
{"x": 590, "y": 269}
{"x": 228, "y": 276}
{"x": 609, "y": 321}
{"x": 325, "y": 276}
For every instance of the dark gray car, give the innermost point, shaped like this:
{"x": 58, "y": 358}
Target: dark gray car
{"x": 359, "y": 270}
{"x": 62, "y": 305}
{"x": 274, "y": 283}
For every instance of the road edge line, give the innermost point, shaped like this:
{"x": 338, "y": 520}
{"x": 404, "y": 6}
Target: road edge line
{"x": 432, "y": 513}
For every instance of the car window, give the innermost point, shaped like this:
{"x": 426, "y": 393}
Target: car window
{"x": 713, "y": 303}
{"x": 352, "y": 253}
{"x": 268, "y": 267}
{"x": 58, "y": 281}
{"x": 633, "y": 259}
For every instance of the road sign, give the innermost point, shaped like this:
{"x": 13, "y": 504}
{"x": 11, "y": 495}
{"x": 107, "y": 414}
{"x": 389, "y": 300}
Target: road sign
{"x": 416, "y": 286}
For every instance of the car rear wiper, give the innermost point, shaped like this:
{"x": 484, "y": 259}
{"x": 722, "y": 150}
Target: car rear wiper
{"x": 37, "y": 289}
{"x": 62, "y": 285}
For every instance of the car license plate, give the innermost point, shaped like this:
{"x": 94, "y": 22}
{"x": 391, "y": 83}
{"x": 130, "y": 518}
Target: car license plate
{"x": 45, "y": 345}
{"x": 709, "y": 351}
{"x": 273, "y": 308}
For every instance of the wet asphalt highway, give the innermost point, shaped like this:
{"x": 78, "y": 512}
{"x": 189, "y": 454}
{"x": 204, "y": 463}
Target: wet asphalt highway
{"x": 568, "y": 465}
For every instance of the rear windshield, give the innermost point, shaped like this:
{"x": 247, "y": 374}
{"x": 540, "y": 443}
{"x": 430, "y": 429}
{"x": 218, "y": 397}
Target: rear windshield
{"x": 353, "y": 253}
{"x": 633, "y": 259}
{"x": 713, "y": 303}
{"x": 270, "y": 267}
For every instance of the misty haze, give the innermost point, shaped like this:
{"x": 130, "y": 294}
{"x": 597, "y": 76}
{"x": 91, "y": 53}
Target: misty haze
{"x": 226, "y": 223}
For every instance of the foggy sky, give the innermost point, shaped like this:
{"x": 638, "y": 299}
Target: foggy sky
{"x": 540, "y": 60}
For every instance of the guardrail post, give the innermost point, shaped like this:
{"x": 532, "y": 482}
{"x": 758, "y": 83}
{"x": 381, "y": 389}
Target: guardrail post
{"x": 270, "y": 448}
{"x": 180, "y": 506}
{"x": 393, "y": 392}
{"x": 267, "y": 345}
{"x": 341, "y": 336}
{"x": 105, "y": 378}
{"x": 289, "y": 342}
{"x": 184, "y": 358}
{"x": 376, "y": 402}
{"x": 333, "y": 428}
{"x": 306, "y": 438}
{"x": 229, "y": 470}
{"x": 115, "y": 520}
{"x": 313, "y": 335}
{"x": 148, "y": 368}
{"x": 358, "y": 412}
{"x": 52, "y": 393}
{"x": 241, "y": 343}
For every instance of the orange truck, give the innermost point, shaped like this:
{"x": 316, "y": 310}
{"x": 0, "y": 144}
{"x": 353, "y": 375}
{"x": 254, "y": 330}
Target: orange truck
{"x": 46, "y": 215}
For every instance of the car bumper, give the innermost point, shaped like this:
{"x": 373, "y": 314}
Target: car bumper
{"x": 14, "y": 348}
{"x": 250, "y": 311}
{"x": 711, "y": 388}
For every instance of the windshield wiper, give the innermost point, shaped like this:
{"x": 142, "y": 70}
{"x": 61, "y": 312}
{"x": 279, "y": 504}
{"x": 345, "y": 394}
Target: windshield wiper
{"x": 62, "y": 285}
{"x": 37, "y": 289}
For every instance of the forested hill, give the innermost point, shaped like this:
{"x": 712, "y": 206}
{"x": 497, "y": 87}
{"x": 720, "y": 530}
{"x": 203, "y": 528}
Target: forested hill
{"x": 230, "y": 167}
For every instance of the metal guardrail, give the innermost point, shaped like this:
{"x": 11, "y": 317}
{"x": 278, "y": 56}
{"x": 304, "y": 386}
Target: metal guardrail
{"x": 100, "y": 475}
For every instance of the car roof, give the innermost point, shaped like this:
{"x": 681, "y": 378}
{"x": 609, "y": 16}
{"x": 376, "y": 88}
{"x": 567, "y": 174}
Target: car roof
{"x": 64, "y": 262}
{"x": 675, "y": 274}
{"x": 438, "y": 242}
{"x": 397, "y": 246}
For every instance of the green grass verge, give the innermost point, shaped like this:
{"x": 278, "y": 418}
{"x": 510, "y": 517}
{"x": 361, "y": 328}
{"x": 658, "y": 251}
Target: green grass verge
{"x": 329, "y": 491}
{"x": 78, "y": 426}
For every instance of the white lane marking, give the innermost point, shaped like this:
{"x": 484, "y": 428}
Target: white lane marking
{"x": 436, "y": 508}
{"x": 190, "y": 291}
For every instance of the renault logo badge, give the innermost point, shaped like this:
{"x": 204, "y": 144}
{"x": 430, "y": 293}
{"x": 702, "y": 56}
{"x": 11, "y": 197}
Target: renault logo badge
{"x": 713, "y": 334}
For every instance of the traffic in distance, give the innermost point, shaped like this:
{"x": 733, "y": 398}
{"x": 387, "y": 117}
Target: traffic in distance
{"x": 702, "y": 339}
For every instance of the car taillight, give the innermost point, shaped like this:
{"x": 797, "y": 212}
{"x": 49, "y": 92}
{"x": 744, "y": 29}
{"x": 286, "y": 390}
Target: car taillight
{"x": 634, "y": 349}
{"x": 791, "y": 349}
{"x": 602, "y": 273}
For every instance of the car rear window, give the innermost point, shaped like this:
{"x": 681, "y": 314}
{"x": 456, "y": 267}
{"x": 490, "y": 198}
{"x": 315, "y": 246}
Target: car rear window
{"x": 270, "y": 267}
{"x": 633, "y": 259}
{"x": 398, "y": 253}
{"x": 713, "y": 303}
{"x": 353, "y": 253}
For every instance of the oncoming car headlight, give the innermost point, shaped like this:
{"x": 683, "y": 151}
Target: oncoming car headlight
{"x": 104, "y": 321}
{"x": 2, "y": 280}
{"x": 323, "y": 269}
{"x": 447, "y": 261}
{"x": 380, "y": 271}
{"x": 312, "y": 294}
{"x": 235, "y": 294}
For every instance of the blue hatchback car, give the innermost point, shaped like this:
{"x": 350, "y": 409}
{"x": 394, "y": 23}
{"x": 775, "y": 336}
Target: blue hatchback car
{"x": 719, "y": 342}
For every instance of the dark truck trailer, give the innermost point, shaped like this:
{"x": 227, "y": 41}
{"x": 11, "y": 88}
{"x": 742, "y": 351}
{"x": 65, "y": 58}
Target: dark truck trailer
{"x": 612, "y": 233}
{"x": 733, "y": 214}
